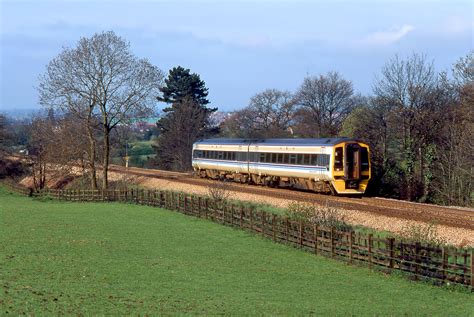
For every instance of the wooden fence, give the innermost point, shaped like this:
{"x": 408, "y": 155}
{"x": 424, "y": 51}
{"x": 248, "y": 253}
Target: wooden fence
{"x": 440, "y": 264}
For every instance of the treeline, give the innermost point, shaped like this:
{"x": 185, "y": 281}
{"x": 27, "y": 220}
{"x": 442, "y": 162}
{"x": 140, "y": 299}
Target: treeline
{"x": 419, "y": 122}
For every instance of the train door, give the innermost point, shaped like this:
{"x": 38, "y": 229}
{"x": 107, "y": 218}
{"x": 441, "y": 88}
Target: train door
{"x": 353, "y": 165}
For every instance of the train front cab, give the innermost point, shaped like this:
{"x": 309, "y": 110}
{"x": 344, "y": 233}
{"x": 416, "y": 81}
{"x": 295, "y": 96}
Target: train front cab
{"x": 350, "y": 168}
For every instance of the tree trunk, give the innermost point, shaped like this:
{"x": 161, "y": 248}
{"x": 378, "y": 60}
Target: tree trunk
{"x": 92, "y": 154}
{"x": 105, "y": 167}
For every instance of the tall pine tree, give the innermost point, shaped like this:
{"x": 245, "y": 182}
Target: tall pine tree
{"x": 185, "y": 120}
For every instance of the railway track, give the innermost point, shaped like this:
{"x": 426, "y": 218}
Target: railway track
{"x": 449, "y": 216}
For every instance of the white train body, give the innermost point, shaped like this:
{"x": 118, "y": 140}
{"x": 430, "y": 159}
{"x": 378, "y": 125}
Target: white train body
{"x": 304, "y": 163}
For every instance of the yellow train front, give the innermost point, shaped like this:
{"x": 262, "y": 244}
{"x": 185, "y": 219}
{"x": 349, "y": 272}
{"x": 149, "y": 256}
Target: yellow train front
{"x": 329, "y": 165}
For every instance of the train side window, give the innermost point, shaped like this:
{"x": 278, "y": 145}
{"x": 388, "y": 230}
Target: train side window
{"x": 323, "y": 160}
{"x": 261, "y": 157}
{"x": 300, "y": 159}
{"x": 306, "y": 159}
{"x": 232, "y": 156}
{"x": 364, "y": 159}
{"x": 338, "y": 159}
{"x": 285, "y": 158}
{"x": 274, "y": 157}
{"x": 314, "y": 160}
{"x": 279, "y": 158}
{"x": 268, "y": 157}
{"x": 292, "y": 159}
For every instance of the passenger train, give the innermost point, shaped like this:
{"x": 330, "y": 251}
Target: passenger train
{"x": 332, "y": 165}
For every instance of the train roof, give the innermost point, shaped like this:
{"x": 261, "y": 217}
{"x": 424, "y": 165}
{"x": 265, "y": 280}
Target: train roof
{"x": 277, "y": 142}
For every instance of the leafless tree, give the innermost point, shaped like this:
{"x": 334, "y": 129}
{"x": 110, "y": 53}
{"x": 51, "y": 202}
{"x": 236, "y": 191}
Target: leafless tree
{"x": 463, "y": 71}
{"x": 56, "y": 146}
{"x": 100, "y": 77}
{"x": 274, "y": 111}
{"x": 325, "y": 101}
{"x": 456, "y": 150}
{"x": 412, "y": 91}
{"x": 269, "y": 114}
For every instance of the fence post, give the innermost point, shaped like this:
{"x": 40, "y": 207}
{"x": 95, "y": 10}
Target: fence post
{"x": 241, "y": 215}
{"x": 287, "y": 230}
{"x": 472, "y": 269}
{"x": 315, "y": 230}
{"x": 369, "y": 249}
{"x": 251, "y": 220}
{"x": 162, "y": 199}
{"x": 350, "y": 247}
{"x": 199, "y": 206}
{"x": 392, "y": 253}
{"x": 262, "y": 213}
{"x": 273, "y": 227}
{"x": 417, "y": 259}
{"x": 232, "y": 215}
{"x": 332, "y": 242}
{"x": 223, "y": 212}
{"x": 301, "y": 233}
{"x": 206, "y": 206}
{"x": 185, "y": 203}
{"x": 444, "y": 260}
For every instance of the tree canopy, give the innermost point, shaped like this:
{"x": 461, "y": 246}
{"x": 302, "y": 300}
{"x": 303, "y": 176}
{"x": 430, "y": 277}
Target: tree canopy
{"x": 180, "y": 84}
{"x": 185, "y": 121}
{"x": 103, "y": 84}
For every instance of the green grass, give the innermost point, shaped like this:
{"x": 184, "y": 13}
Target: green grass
{"x": 141, "y": 148}
{"x": 96, "y": 258}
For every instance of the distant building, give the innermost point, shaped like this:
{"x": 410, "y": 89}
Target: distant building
{"x": 218, "y": 117}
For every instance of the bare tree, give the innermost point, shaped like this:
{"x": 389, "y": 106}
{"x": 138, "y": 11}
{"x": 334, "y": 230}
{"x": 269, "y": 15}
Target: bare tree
{"x": 325, "y": 101}
{"x": 56, "y": 146}
{"x": 269, "y": 114}
{"x": 455, "y": 149}
{"x": 413, "y": 93}
{"x": 101, "y": 77}
{"x": 463, "y": 71}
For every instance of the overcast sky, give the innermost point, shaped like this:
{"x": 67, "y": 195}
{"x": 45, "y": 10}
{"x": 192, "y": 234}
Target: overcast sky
{"x": 239, "y": 48}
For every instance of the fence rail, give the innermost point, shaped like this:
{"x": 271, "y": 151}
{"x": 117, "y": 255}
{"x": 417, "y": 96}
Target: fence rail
{"x": 420, "y": 260}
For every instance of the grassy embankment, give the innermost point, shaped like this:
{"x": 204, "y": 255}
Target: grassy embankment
{"x": 95, "y": 258}
{"x": 139, "y": 152}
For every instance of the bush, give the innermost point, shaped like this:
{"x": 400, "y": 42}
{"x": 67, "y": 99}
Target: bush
{"x": 219, "y": 191}
{"x": 326, "y": 216}
{"x": 10, "y": 168}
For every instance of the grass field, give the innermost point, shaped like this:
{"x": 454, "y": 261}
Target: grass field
{"x": 97, "y": 258}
